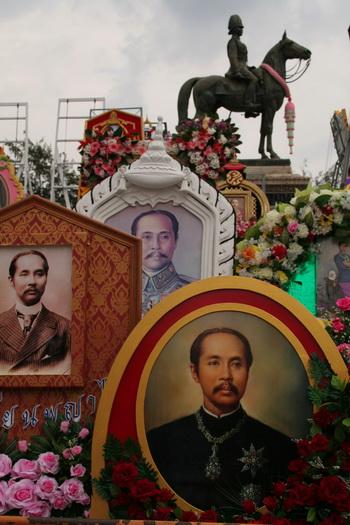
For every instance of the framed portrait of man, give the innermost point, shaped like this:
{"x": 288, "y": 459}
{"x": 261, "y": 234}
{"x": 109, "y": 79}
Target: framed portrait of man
{"x": 185, "y": 224}
{"x": 333, "y": 273}
{"x": 213, "y": 385}
{"x": 35, "y": 310}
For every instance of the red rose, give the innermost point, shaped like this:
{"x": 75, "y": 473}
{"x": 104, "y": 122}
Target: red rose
{"x": 324, "y": 417}
{"x": 248, "y": 506}
{"x": 338, "y": 325}
{"x": 333, "y": 519}
{"x": 162, "y": 514}
{"x": 121, "y": 500}
{"x": 188, "y": 515}
{"x": 343, "y": 303}
{"x": 303, "y": 448}
{"x": 270, "y": 502}
{"x": 144, "y": 489}
{"x": 136, "y": 512}
{"x": 165, "y": 495}
{"x": 279, "y": 488}
{"x": 209, "y": 516}
{"x": 281, "y": 521}
{"x": 319, "y": 443}
{"x": 124, "y": 473}
{"x": 334, "y": 491}
{"x": 279, "y": 251}
{"x": 298, "y": 466}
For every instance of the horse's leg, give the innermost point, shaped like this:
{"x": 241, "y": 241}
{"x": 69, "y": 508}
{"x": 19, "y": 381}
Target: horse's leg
{"x": 273, "y": 154}
{"x": 262, "y": 139}
{"x": 206, "y": 104}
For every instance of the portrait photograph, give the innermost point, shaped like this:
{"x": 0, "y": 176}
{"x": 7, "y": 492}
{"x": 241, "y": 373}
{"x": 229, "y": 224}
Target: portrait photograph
{"x": 333, "y": 274}
{"x": 171, "y": 247}
{"x": 35, "y": 310}
{"x": 172, "y": 393}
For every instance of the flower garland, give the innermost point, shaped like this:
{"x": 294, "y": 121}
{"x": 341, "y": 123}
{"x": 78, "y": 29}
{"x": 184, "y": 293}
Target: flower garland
{"x": 103, "y": 154}
{"x": 205, "y": 145}
{"x": 284, "y": 238}
{"x": 48, "y": 476}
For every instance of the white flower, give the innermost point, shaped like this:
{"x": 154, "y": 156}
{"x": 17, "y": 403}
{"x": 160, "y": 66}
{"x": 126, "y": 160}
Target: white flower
{"x": 303, "y": 231}
{"x": 338, "y": 216}
{"x": 289, "y": 211}
{"x": 294, "y": 250}
{"x": 222, "y": 139}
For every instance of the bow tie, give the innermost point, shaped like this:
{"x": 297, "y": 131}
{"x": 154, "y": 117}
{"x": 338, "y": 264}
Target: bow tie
{"x": 28, "y": 320}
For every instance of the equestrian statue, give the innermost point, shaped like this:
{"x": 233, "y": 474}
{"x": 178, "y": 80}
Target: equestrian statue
{"x": 245, "y": 89}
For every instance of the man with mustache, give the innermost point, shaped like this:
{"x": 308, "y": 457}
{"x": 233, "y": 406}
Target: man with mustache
{"x": 158, "y": 230}
{"x": 33, "y": 339}
{"x": 220, "y": 456}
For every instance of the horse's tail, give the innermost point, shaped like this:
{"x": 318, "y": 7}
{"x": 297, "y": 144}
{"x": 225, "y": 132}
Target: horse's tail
{"x": 183, "y": 98}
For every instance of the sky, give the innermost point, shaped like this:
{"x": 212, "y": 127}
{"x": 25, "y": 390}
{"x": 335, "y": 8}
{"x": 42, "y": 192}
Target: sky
{"x": 138, "y": 54}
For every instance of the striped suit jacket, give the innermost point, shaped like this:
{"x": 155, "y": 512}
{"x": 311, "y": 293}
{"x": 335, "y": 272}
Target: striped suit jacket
{"x": 47, "y": 343}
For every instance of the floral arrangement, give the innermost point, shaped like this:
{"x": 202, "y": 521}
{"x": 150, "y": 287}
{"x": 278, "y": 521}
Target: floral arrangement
{"x": 205, "y": 145}
{"x": 285, "y": 237}
{"x": 318, "y": 488}
{"x": 338, "y": 327}
{"x": 48, "y": 476}
{"x": 129, "y": 484}
{"x": 103, "y": 154}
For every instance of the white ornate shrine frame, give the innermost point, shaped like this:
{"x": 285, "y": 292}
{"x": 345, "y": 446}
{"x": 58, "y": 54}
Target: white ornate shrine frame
{"x": 155, "y": 179}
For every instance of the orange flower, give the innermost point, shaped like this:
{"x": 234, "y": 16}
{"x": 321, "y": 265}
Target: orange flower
{"x": 249, "y": 252}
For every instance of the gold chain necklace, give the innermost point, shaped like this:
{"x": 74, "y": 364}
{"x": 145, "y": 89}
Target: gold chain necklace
{"x": 213, "y": 468}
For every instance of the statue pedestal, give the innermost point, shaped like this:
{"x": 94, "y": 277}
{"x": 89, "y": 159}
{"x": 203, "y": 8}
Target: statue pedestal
{"x": 275, "y": 178}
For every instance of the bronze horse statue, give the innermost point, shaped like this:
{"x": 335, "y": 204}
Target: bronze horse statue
{"x": 212, "y": 92}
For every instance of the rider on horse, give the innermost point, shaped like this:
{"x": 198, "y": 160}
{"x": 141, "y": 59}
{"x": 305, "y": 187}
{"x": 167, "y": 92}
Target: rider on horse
{"x": 238, "y": 56}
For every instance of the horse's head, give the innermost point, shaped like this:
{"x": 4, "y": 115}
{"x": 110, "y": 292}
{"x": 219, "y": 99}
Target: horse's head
{"x": 291, "y": 49}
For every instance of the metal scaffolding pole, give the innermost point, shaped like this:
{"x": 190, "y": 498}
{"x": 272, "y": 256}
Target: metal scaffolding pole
{"x": 61, "y": 163}
{"x": 20, "y": 117}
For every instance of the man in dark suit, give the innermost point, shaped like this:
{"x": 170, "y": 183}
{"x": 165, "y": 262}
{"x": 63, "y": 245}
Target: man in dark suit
{"x": 32, "y": 338}
{"x": 220, "y": 456}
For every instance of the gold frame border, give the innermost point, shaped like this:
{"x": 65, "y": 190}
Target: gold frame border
{"x": 99, "y": 507}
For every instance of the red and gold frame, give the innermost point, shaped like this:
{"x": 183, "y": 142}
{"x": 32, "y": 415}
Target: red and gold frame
{"x": 121, "y": 406}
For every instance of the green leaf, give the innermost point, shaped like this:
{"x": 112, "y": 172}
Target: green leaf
{"x": 346, "y": 422}
{"x": 311, "y": 515}
{"x": 322, "y": 200}
{"x": 253, "y": 232}
{"x": 309, "y": 219}
{"x": 338, "y": 383}
{"x": 339, "y": 433}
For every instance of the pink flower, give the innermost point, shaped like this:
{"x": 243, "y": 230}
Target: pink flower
{"x": 26, "y": 468}
{"x": 114, "y": 146}
{"x": 76, "y": 450}
{"x": 37, "y": 509}
{"x": 292, "y": 227}
{"x": 67, "y": 453}
{"x": 94, "y": 147}
{"x": 22, "y": 445}
{"x": 3, "y": 497}
{"x": 21, "y": 494}
{"x": 58, "y": 501}
{"x": 344, "y": 303}
{"x": 77, "y": 470}
{"x": 64, "y": 426}
{"x": 84, "y": 433}
{"x": 49, "y": 462}
{"x": 73, "y": 489}
{"x": 338, "y": 325}
{"x": 84, "y": 499}
{"x": 45, "y": 487}
{"x": 5, "y": 465}
{"x": 86, "y": 514}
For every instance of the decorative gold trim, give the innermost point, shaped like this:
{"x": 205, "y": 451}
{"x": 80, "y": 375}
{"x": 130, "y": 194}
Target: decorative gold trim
{"x": 99, "y": 507}
{"x": 252, "y": 194}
